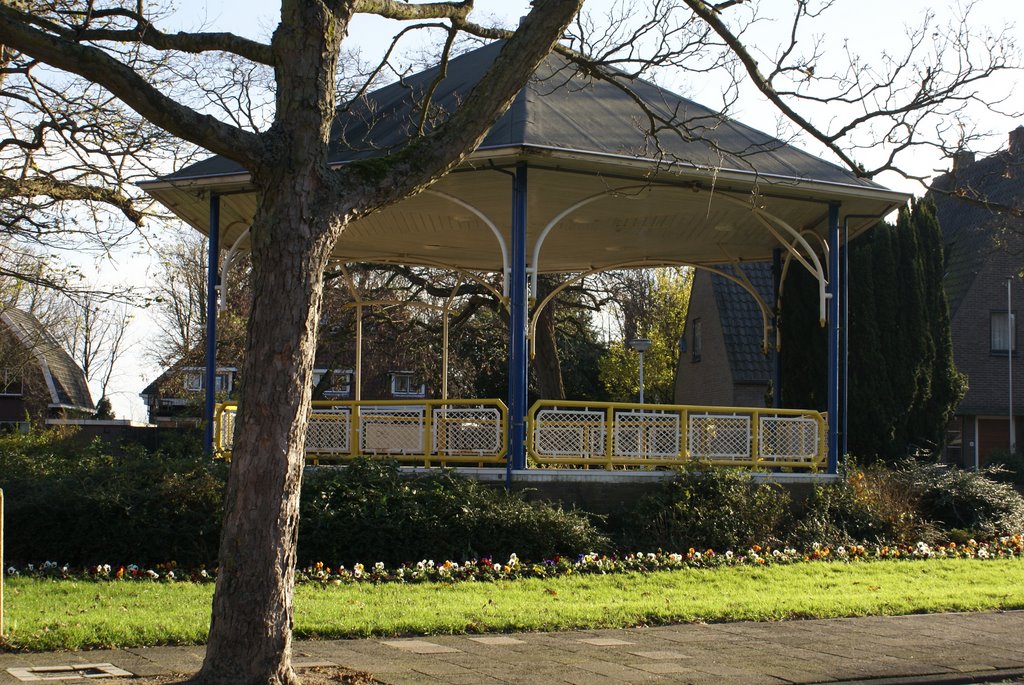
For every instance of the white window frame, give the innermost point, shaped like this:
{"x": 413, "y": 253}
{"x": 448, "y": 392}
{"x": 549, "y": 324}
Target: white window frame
{"x": 408, "y": 377}
{"x": 340, "y": 389}
{"x": 698, "y": 340}
{"x": 195, "y": 379}
{"x": 6, "y": 380}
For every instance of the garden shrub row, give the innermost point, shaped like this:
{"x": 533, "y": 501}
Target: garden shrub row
{"x": 85, "y": 505}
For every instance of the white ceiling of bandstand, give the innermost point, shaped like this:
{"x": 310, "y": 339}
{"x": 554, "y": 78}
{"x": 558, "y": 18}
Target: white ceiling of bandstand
{"x": 595, "y": 200}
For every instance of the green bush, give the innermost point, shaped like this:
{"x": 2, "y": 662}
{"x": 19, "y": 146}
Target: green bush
{"x": 1007, "y": 467}
{"x": 78, "y": 503}
{"x": 867, "y": 506}
{"x": 369, "y": 512}
{"x": 909, "y": 502}
{"x": 964, "y": 503}
{"x": 705, "y": 507}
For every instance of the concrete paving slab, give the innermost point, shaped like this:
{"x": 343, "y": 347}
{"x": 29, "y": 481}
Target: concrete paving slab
{"x": 948, "y": 648}
{"x": 419, "y": 646}
{"x": 497, "y": 641}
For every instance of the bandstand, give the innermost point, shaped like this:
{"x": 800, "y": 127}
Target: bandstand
{"x": 567, "y": 182}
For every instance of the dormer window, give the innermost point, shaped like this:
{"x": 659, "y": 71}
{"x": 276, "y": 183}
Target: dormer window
{"x": 11, "y": 384}
{"x": 403, "y": 384}
{"x": 195, "y": 380}
{"x": 338, "y": 382}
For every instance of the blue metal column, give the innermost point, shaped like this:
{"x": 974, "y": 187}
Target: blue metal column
{"x": 212, "y": 281}
{"x": 834, "y": 288}
{"x": 517, "y": 358}
{"x": 776, "y": 356}
{"x": 844, "y": 398}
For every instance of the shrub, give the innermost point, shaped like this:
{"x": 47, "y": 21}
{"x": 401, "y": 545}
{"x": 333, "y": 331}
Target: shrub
{"x": 966, "y": 502}
{"x": 705, "y": 507}
{"x": 868, "y": 505}
{"x": 1007, "y": 467}
{"x": 78, "y": 503}
{"x": 370, "y": 512}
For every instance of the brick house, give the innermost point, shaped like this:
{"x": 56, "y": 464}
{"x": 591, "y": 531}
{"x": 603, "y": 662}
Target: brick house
{"x": 983, "y": 253}
{"x": 176, "y": 397}
{"x": 722, "y": 360}
{"x": 723, "y": 365}
{"x": 38, "y": 379}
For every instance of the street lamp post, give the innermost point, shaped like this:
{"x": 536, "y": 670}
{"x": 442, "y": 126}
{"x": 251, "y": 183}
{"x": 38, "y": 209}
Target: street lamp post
{"x": 641, "y": 345}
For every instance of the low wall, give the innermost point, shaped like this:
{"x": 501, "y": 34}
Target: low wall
{"x": 604, "y": 492}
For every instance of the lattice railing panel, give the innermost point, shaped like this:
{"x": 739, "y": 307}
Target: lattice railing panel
{"x": 227, "y": 428}
{"x": 645, "y": 434}
{"x": 569, "y": 433}
{"x": 467, "y": 430}
{"x": 719, "y": 436}
{"x": 328, "y": 431}
{"x": 391, "y": 430}
{"x": 788, "y": 438}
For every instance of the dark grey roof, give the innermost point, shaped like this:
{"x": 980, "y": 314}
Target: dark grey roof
{"x": 66, "y": 381}
{"x": 741, "y": 322}
{"x": 561, "y": 109}
{"x": 971, "y": 232}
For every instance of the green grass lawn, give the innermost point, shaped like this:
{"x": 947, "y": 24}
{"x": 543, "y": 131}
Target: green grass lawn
{"x": 46, "y": 615}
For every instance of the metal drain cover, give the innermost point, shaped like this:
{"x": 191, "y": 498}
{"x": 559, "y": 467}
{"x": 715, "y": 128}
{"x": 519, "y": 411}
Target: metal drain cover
{"x": 75, "y": 671}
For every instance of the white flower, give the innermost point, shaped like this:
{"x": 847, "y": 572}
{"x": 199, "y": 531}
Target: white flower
{"x": 152, "y": 574}
{"x": 513, "y": 559}
{"x": 379, "y": 566}
{"x": 983, "y": 553}
{"x": 497, "y": 568}
{"x": 170, "y": 575}
{"x": 11, "y": 571}
{"x": 728, "y": 554}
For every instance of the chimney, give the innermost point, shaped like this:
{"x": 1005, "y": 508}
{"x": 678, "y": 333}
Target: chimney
{"x": 962, "y": 159}
{"x": 1017, "y": 141}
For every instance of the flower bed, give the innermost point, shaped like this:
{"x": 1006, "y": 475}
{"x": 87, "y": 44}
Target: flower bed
{"x": 1011, "y": 546}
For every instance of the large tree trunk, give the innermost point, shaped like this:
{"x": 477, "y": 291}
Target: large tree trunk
{"x": 250, "y": 629}
{"x": 547, "y": 367}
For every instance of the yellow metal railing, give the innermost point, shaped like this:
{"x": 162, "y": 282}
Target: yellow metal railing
{"x": 426, "y": 432}
{"x": 614, "y": 435}
{"x": 559, "y": 433}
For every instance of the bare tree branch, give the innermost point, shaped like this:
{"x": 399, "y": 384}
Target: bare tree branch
{"x": 138, "y": 93}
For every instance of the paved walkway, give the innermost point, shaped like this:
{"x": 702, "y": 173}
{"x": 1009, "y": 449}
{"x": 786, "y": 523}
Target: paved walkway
{"x": 939, "y": 648}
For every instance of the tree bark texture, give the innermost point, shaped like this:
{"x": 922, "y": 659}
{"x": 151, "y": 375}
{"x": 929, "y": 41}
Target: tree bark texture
{"x": 302, "y": 207}
{"x": 250, "y": 630}
{"x": 547, "y": 367}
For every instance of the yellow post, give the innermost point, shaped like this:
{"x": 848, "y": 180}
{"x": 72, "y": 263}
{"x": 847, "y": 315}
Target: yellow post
{"x": 353, "y": 431}
{"x": 359, "y": 354}
{"x": 609, "y": 428}
{"x": 2, "y": 570}
{"x": 755, "y": 437}
{"x": 427, "y": 440}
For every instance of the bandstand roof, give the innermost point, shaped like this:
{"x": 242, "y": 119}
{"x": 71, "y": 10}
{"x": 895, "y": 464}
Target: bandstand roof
{"x": 608, "y": 195}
